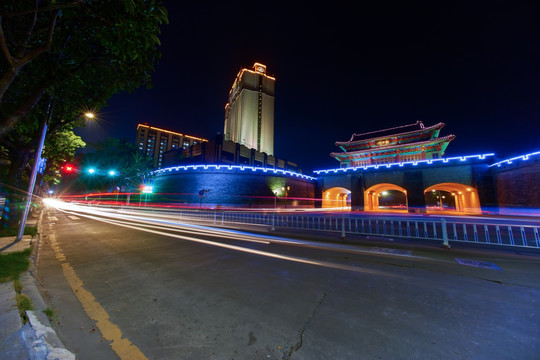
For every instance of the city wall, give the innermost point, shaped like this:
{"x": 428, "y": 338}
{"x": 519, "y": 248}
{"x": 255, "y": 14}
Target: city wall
{"x": 235, "y": 187}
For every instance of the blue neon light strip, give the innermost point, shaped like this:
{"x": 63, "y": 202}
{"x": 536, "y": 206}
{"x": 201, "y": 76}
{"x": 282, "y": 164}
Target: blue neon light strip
{"x": 232, "y": 167}
{"x": 413, "y": 163}
{"x": 522, "y": 157}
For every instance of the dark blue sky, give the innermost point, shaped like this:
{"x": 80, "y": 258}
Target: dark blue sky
{"x": 474, "y": 65}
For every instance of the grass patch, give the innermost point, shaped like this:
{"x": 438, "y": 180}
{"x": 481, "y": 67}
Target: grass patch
{"x": 51, "y": 314}
{"x": 24, "y": 303}
{"x": 13, "y": 264}
{"x": 18, "y": 286}
{"x": 13, "y": 231}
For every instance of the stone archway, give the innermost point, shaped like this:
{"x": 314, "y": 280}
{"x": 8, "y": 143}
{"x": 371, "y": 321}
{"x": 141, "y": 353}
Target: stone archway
{"x": 336, "y": 197}
{"x": 453, "y": 197}
{"x": 385, "y": 196}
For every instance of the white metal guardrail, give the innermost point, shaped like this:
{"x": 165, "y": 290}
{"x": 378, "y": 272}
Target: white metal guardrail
{"x": 442, "y": 229}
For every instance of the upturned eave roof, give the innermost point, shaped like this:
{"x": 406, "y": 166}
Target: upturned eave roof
{"x": 385, "y": 133}
{"x": 447, "y": 138}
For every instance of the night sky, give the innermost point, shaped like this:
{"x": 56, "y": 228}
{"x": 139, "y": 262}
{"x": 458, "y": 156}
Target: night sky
{"x": 474, "y": 65}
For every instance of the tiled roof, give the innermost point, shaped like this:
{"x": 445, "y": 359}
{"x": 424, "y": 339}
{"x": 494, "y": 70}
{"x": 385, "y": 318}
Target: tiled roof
{"x": 411, "y": 128}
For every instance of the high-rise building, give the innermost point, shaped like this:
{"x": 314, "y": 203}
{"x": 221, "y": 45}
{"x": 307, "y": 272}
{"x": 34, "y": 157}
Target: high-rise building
{"x": 154, "y": 141}
{"x": 249, "y": 113}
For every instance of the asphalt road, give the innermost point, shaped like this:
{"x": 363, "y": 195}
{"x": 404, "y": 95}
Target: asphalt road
{"x": 160, "y": 295}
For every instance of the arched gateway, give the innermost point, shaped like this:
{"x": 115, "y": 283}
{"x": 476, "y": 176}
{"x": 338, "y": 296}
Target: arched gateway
{"x": 463, "y": 185}
{"x": 336, "y": 197}
{"x": 385, "y": 196}
{"x": 453, "y": 196}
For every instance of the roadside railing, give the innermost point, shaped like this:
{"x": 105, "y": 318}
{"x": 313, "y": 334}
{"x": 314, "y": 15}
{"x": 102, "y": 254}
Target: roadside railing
{"x": 438, "y": 229}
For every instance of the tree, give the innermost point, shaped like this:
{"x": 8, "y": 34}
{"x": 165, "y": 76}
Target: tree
{"x": 60, "y": 148}
{"x": 85, "y": 50}
{"x": 19, "y": 148}
{"x": 131, "y": 165}
{"x": 89, "y": 50}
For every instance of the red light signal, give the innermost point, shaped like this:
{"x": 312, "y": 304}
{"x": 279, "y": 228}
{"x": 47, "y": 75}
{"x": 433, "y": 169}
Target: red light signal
{"x": 69, "y": 168}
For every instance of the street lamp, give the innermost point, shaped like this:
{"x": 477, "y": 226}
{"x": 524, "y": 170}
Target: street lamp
{"x": 37, "y": 158}
{"x": 286, "y": 189}
{"x": 112, "y": 173}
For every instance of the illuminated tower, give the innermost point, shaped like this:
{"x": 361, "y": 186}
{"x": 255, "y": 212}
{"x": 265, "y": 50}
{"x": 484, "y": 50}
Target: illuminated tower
{"x": 249, "y": 114}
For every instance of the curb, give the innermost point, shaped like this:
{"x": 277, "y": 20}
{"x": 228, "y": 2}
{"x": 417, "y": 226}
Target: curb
{"x": 36, "y": 339}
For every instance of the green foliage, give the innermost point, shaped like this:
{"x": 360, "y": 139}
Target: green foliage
{"x": 97, "y": 49}
{"x": 12, "y": 231}
{"x": 60, "y": 148}
{"x": 17, "y": 285}
{"x": 114, "y": 154}
{"x": 13, "y": 264}
{"x": 24, "y": 304}
{"x": 51, "y": 314}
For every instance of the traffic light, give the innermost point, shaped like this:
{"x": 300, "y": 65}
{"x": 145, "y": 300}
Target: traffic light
{"x": 69, "y": 169}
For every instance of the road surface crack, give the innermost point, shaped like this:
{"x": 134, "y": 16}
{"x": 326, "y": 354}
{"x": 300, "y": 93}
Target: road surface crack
{"x": 300, "y": 342}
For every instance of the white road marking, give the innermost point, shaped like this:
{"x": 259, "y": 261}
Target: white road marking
{"x": 53, "y": 218}
{"x": 73, "y": 217}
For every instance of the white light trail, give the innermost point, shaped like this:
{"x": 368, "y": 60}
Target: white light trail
{"x": 233, "y": 235}
{"x": 251, "y": 251}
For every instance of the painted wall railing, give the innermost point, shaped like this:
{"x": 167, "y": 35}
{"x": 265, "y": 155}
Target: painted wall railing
{"x": 443, "y": 230}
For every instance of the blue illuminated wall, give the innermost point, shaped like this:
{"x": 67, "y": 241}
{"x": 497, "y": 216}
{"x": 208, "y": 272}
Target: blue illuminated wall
{"x": 415, "y": 177}
{"x": 507, "y": 184}
{"x": 233, "y": 186}
{"x": 518, "y": 182}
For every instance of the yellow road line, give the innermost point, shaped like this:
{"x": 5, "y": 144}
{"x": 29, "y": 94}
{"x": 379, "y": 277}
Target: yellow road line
{"x": 121, "y": 346}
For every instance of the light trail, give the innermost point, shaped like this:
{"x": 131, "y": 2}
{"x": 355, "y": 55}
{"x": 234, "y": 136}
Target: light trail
{"x": 297, "y": 259}
{"x": 240, "y": 235}
{"x": 175, "y": 227}
{"x": 149, "y": 223}
{"x": 230, "y": 234}
{"x": 251, "y": 251}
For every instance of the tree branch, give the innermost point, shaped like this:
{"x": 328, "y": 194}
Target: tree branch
{"x": 16, "y": 64}
{"x": 7, "y": 124}
{"x": 22, "y": 44}
{"x": 3, "y": 45}
{"x": 46, "y": 47}
{"x": 46, "y": 8}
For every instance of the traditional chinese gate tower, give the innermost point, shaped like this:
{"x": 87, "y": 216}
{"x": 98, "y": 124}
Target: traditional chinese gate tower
{"x": 394, "y": 145}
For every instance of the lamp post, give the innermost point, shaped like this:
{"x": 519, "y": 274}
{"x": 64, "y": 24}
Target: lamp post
{"x": 112, "y": 174}
{"x": 33, "y": 176}
{"x": 286, "y": 191}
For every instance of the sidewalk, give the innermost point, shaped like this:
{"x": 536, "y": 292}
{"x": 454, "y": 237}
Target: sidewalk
{"x": 36, "y": 339}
